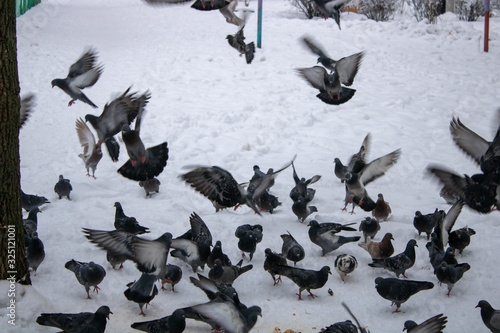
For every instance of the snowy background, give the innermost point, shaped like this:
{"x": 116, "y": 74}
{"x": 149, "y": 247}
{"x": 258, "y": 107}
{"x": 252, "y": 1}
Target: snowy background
{"x": 214, "y": 109}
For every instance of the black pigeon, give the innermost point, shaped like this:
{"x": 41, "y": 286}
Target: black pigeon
{"x": 217, "y": 253}
{"x": 436, "y": 256}
{"x": 440, "y": 235}
{"x": 30, "y": 224}
{"x": 292, "y": 249}
{"x": 82, "y": 74}
{"x": 400, "y": 262}
{"x": 267, "y": 202}
{"x": 399, "y": 291}
{"x": 172, "y": 276}
{"x": 450, "y": 274}
{"x": 122, "y": 110}
{"x": 356, "y": 162}
{"x": 35, "y": 252}
{"x": 324, "y": 235}
{"x": 300, "y": 207}
{"x": 149, "y": 255}
{"x": 92, "y": 152}
{"x": 345, "y": 264}
{"x": 459, "y": 239}
{"x": 142, "y": 291}
{"x": 219, "y": 186}
{"x": 369, "y": 227}
{"x": 434, "y": 324}
{"x": 26, "y": 109}
{"x": 30, "y": 201}
{"x": 301, "y": 186}
{"x": 249, "y": 236}
{"x": 83, "y": 322}
{"x": 306, "y": 279}
{"x": 382, "y": 209}
{"x": 237, "y": 41}
{"x": 88, "y": 274}
{"x": 221, "y": 274}
{"x": 63, "y": 187}
{"x": 341, "y": 327}
{"x": 272, "y": 260}
{"x": 426, "y": 222}
{"x": 331, "y": 8}
{"x": 150, "y": 186}
{"x": 174, "y": 323}
{"x": 209, "y": 4}
{"x": 490, "y": 316}
{"x": 126, "y": 223}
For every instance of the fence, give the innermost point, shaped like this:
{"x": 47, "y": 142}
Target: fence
{"x": 23, "y": 5}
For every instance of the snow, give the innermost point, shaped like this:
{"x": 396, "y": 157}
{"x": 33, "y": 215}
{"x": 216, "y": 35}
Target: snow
{"x": 214, "y": 109}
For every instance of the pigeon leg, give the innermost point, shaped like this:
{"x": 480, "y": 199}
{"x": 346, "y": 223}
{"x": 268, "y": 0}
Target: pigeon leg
{"x": 278, "y": 280}
{"x": 72, "y": 102}
{"x": 299, "y": 294}
{"x": 96, "y": 289}
{"x": 236, "y": 207}
{"x": 311, "y": 294}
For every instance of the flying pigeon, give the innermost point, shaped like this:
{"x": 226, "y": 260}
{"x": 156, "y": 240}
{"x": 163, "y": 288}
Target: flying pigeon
{"x": 324, "y": 235}
{"x": 218, "y": 254}
{"x": 400, "y": 262}
{"x": 399, "y": 291}
{"x": 490, "y": 316}
{"x": 292, "y": 249}
{"x": 150, "y": 186}
{"x": 122, "y": 110}
{"x": 82, "y": 74}
{"x": 426, "y": 222}
{"x": 434, "y": 324}
{"x": 450, "y": 274}
{"x": 210, "y": 4}
{"x": 35, "y": 252}
{"x": 174, "y": 323}
{"x": 272, "y": 260}
{"x": 172, "y": 276}
{"x": 30, "y": 201}
{"x": 77, "y": 322}
{"x": 63, "y": 187}
{"x": 379, "y": 250}
{"x": 306, "y": 279}
{"x": 345, "y": 264}
{"x": 228, "y": 13}
{"x": 301, "y": 186}
{"x": 88, "y": 274}
{"x": 331, "y": 8}
{"x": 356, "y": 162}
{"x": 237, "y": 41}
{"x": 26, "y": 109}
{"x": 126, "y": 223}
{"x": 30, "y": 224}
{"x": 92, "y": 152}
{"x": 369, "y": 227}
{"x": 382, "y": 209}
{"x": 249, "y": 236}
{"x": 300, "y": 207}
{"x": 142, "y": 291}
{"x": 219, "y": 186}
{"x": 221, "y": 274}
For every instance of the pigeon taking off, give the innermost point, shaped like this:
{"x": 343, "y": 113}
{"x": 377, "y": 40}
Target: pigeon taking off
{"x": 142, "y": 291}
{"x": 306, "y": 279}
{"x": 434, "y": 324}
{"x": 83, "y": 322}
{"x": 399, "y": 291}
{"x": 63, "y": 187}
{"x": 237, "y": 41}
{"x": 345, "y": 264}
{"x": 88, "y": 274}
{"x": 82, "y": 74}
{"x": 490, "y": 316}
{"x": 174, "y": 323}
{"x": 92, "y": 152}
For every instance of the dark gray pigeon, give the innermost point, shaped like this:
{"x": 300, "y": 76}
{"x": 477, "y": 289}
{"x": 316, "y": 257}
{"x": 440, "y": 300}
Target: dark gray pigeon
{"x": 300, "y": 207}
{"x": 217, "y": 253}
{"x": 218, "y": 292}
{"x": 30, "y": 224}
{"x": 92, "y": 152}
{"x": 88, "y": 274}
{"x": 122, "y": 110}
{"x": 301, "y": 186}
{"x": 437, "y": 256}
{"x": 63, "y": 187}
{"x": 249, "y": 236}
{"x": 306, "y": 279}
{"x": 440, "y": 235}
{"x": 341, "y": 327}
{"x": 174, "y": 323}
{"x": 324, "y": 235}
{"x": 426, "y": 222}
{"x": 267, "y": 202}
{"x": 434, "y": 324}
{"x": 400, "y": 262}
{"x": 490, "y": 316}
{"x": 459, "y": 239}
{"x": 172, "y": 276}
{"x": 237, "y": 41}
{"x": 450, "y": 274}
{"x": 292, "y": 249}
{"x": 399, "y": 291}
{"x": 221, "y": 274}
{"x": 82, "y": 74}
{"x": 345, "y": 264}
{"x": 35, "y": 252}
{"x": 331, "y": 8}
{"x": 30, "y": 201}
{"x": 272, "y": 260}
{"x": 83, "y": 322}
{"x": 26, "y": 109}
{"x": 150, "y": 186}
{"x": 126, "y": 223}
{"x": 369, "y": 227}
{"x": 115, "y": 259}
{"x": 142, "y": 291}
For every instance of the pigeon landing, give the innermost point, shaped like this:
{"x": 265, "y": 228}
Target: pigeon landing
{"x": 82, "y": 74}
{"x": 237, "y": 41}
{"x": 63, "y": 187}
{"x": 77, "y": 322}
{"x": 92, "y": 152}
{"x": 88, "y": 274}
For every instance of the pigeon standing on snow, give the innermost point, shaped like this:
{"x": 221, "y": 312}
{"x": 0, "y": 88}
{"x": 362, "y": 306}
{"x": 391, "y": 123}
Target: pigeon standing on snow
{"x": 300, "y": 207}
{"x": 217, "y": 253}
{"x": 459, "y": 239}
{"x": 82, "y": 74}
{"x": 92, "y": 152}
{"x": 345, "y": 264}
{"x": 324, "y": 235}
{"x": 301, "y": 186}
{"x": 306, "y": 279}
{"x": 174, "y": 323}
{"x": 30, "y": 201}
{"x": 221, "y": 274}
{"x": 35, "y": 252}
{"x": 272, "y": 260}
{"x": 142, "y": 291}
{"x": 426, "y": 222}
{"x": 369, "y": 227}
{"x": 292, "y": 249}
{"x": 331, "y": 8}
{"x": 249, "y": 236}
{"x": 172, "y": 276}
{"x": 379, "y": 250}
{"x": 88, "y": 274}
{"x": 63, "y": 187}
{"x": 382, "y": 209}
{"x": 400, "y": 262}
{"x": 450, "y": 274}
{"x": 434, "y": 324}
{"x": 150, "y": 186}
{"x": 77, "y": 322}
{"x": 399, "y": 291}
{"x": 490, "y": 316}
{"x": 126, "y": 223}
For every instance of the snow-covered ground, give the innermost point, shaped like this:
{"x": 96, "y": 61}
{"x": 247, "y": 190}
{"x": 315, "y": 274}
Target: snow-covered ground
{"x": 214, "y": 109}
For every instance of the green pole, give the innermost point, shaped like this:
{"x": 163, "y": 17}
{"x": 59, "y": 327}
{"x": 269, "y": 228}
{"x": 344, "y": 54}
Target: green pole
{"x": 259, "y": 25}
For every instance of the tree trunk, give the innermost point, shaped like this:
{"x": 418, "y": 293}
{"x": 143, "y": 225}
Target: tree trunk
{"x": 13, "y": 264}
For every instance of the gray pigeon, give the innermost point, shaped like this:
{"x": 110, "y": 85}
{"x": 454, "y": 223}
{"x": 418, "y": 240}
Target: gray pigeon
{"x": 306, "y": 279}
{"x": 30, "y": 201}
{"x": 249, "y": 236}
{"x": 35, "y": 252}
{"x": 84, "y": 322}
{"x": 26, "y": 109}
{"x": 400, "y": 262}
{"x": 142, "y": 291}
{"x": 399, "y": 291}
{"x": 92, "y": 152}
{"x": 450, "y": 274}
{"x": 490, "y": 316}
{"x": 193, "y": 253}
{"x": 292, "y": 249}
{"x": 369, "y": 227}
{"x": 331, "y": 8}
{"x": 217, "y": 253}
{"x": 82, "y": 74}
{"x": 345, "y": 264}
{"x": 30, "y": 224}
{"x": 63, "y": 187}
{"x": 300, "y": 207}
{"x": 174, "y": 323}
{"x": 301, "y": 186}
{"x": 221, "y": 274}
{"x": 237, "y": 41}
{"x": 88, "y": 274}
{"x": 150, "y": 186}
{"x": 324, "y": 235}
{"x": 356, "y": 162}
{"x": 459, "y": 239}
{"x": 434, "y": 324}
{"x": 172, "y": 276}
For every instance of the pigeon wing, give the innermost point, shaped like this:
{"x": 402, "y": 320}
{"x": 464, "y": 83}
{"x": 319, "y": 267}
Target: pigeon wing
{"x": 314, "y": 75}
{"x": 467, "y": 140}
{"x": 347, "y": 68}
{"x": 378, "y": 167}
{"x": 201, "y": 233}
{"x": 27, "y": 104}
{"x": 84, "y": 64}
{"x": 314, "y": 47}
{"x": 85, "y": 136}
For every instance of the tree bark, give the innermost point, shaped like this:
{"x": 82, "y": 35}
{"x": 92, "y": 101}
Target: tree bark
{"x": 13, "y": 264}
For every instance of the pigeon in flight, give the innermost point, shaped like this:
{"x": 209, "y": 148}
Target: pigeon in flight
{"x": 27, "y": 105}
{"x": 237, "y": 41}
{"x": 331, "y": 8}
{"x": 92, "y": 152}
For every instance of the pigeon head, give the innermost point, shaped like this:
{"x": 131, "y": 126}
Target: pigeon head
{"x": 313, "y": 223}
{"x": 412, "y": 242}
{"x": 91, "y": 119}
{"x": 410, "y": 324}
{"x": 483, "y": 304}
{"x": 104, "y": 310}
{"x": 56, "y": 82}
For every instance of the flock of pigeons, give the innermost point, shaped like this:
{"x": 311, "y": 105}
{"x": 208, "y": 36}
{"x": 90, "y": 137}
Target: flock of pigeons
{"x": 224, "y": 310}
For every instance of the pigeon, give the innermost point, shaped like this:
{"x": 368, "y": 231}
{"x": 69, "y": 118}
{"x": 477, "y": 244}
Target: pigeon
{"x": 426, "y": 222}
{"x": 342, "y": 326}
{"x": 306, "y": 279}
{"x": 300, "y": 207}
{"x": 490, "y": 316}
{"x": 63, "y": 187}
{"x": 249, "y": 236}
{"x": 434, "y": 324}
{"x": 301, "y": 186}
{"x": 356, "y": 162}
{"x": 362, "y": 329}
{"x": 122, "y": 110}
{"x": 399, "y": 291}
{"x": 92, "y": 152}
{"x": 142, "y": 291}
{"x": 219, "y": 186}
{"x": 331, "y": 8}
{"x": 292, "y": 249}
{"x": 379, "y": 250}
{"x": 30, "y": 224}
{"x": 324, "y": 235}
{"x": 172, "y": 275}
{"x": 459, "y": 239}
{"x": 369, "y": 227}
{"x": 441, "y": 232}
{"x": 31, "y": 201}
{"x": 150, "y": 186}
{"x": 221, "y": 274}
{"x": 209, "y": 4}
{"x": 272, "y": 260}
{"x": 218, "y": 292}
{"x": 237, "y": 41}
{"x": 127, "y": 224}
{"x": 174, "y": 323}
{"x": 35, "y": 252}
{"x": 261, "y": 182}
{"x": 26, "y": 109}
{"x": 436, "y": 256}
{"x": 82, "y": 322}
{"x": 450, "y": 274}
{"x": 149, "y": 255}
{"x": 82, "y": 74}
{"x": 267, "y": 202}
{"x": 115, "y": 259}
{"x": 345, "y": 264}
{"x": 228, "y": 13}
{"x": 218, "y": 254}
{"x": 382, "y": 209}
{"x": 88, "y": 274}
{"x": 199, "y": 231}
{"x": 193, "y": 253}
{"x": 400, "y": 262}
